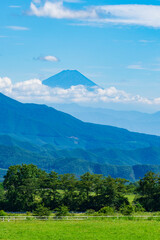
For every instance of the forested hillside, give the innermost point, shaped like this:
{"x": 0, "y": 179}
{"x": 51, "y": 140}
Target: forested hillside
{"x": 53, "y": 140}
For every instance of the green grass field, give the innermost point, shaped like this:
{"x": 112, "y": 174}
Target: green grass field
{"x": 81, "y": 230}
{"x": 130, "y": 197}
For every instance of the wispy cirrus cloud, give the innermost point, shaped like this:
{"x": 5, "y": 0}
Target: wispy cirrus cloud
{"x": 48, "y": 58}
{"x": 18, "y": 28}
{"x": 124, "y": 14}
{"x": 151, "y": 67}
{"x": 146, "y": 41}
{"x": 14, "y": 6}
{"x": 136, "y": 66}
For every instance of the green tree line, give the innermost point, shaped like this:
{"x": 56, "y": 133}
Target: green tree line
{"x": 26, "y": 187}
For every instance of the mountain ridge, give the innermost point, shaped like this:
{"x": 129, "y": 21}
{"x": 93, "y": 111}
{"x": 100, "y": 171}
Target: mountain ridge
{"x": 48, "y": 125}
{"x": 134, "y": 121}
{"x": 32, "y": 133}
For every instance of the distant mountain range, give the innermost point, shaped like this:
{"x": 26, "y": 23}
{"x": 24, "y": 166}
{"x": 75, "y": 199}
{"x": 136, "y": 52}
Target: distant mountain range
{"x": 68, "y": 78}
{"x": 131, "y": 120}
{"x": 53, "y": 140}
{"x": 41, "y": 125}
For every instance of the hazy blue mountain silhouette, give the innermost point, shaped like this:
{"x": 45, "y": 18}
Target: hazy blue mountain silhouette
{"x": 131, "y": 120}
{"x": 68, "y": 78}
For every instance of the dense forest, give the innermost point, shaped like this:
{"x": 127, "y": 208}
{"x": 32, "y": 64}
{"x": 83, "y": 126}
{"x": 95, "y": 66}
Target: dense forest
{"x": 26, "y": 187}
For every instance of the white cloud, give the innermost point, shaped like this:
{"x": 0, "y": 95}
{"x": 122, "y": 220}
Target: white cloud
{"x": 15, "y": 6}
{"x": 145, "y": 15}
{"x": 5, "y": 85}
{"x": 48, "y": 59}
{"x": 18, "y": 28}
{"x": 57, "y": 10}
{"x": 34, "y": 91}
{"x": 151, "y": 67}
{"x": 146, "y": 41}
{"x": 124, "y": 14}
{"x": 136, "y": 66}
{"x": 5, "y": 82}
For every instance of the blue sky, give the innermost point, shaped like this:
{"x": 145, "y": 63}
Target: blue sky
{"x": 114, "y": 43}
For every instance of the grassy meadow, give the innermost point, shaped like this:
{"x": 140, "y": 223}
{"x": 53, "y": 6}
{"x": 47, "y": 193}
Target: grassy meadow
{"x": 130, "y": 197}
{"x": 81, "y": 230}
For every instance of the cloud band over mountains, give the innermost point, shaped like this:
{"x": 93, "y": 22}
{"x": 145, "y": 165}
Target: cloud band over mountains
{"x": 124, "y": 14}
{"x": 34, "y": 91}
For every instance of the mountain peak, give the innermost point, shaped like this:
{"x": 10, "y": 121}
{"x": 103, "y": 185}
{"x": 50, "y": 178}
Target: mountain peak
{"x": 68, "y": 78}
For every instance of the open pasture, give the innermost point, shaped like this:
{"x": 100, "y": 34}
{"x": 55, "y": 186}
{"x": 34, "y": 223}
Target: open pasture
{"x": 106, "y": 229}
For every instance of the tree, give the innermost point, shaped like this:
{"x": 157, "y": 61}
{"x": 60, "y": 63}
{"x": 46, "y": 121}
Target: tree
{"x": 27, "y": 187}
{"x": 50, "y": 195}
{"x": 22, "y": 184}
{"x": 149, "y": 192}
{"x": 2, "y": 197}
{"x": 86, "y": 184}
{"x": 68, "y": 183}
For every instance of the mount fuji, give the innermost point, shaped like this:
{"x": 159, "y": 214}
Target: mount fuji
{"x": 68, "y": 78}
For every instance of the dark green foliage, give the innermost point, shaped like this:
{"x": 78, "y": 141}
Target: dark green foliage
{"x": 126, "y": 209}
{"x": 22, "y": 185}
{"x": 50, "y": 196}
{"x": 2, "y": 197}
{"x": 107, "y": 211}
{"x": 149, "y": 192}
{"x": 28, "y": 187}
{"x": 3, "y": 213}
{"x": 62, "y": 211}
{"x": 131, "y": 188}
{"x": 77, "y": 161}
{"x": 1, "y": 192}
{"x": 41, "y": 211}
{"x": 90, "y": 212}
{"x": 138, "y": 207}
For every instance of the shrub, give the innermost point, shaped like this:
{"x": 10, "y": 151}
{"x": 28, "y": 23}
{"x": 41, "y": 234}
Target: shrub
{"x": 41, "y": 211}
{"x": 62, "y": 211}
{"x": 90, "y": 212}
{"x": 3, "y": 213}
{"x": 28, "y": 213}
{"x": 107, "y": 211}
{"x": 126, "y": 210}
{"x": 138, "y": 208}
{"x": 156, "y": 214}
